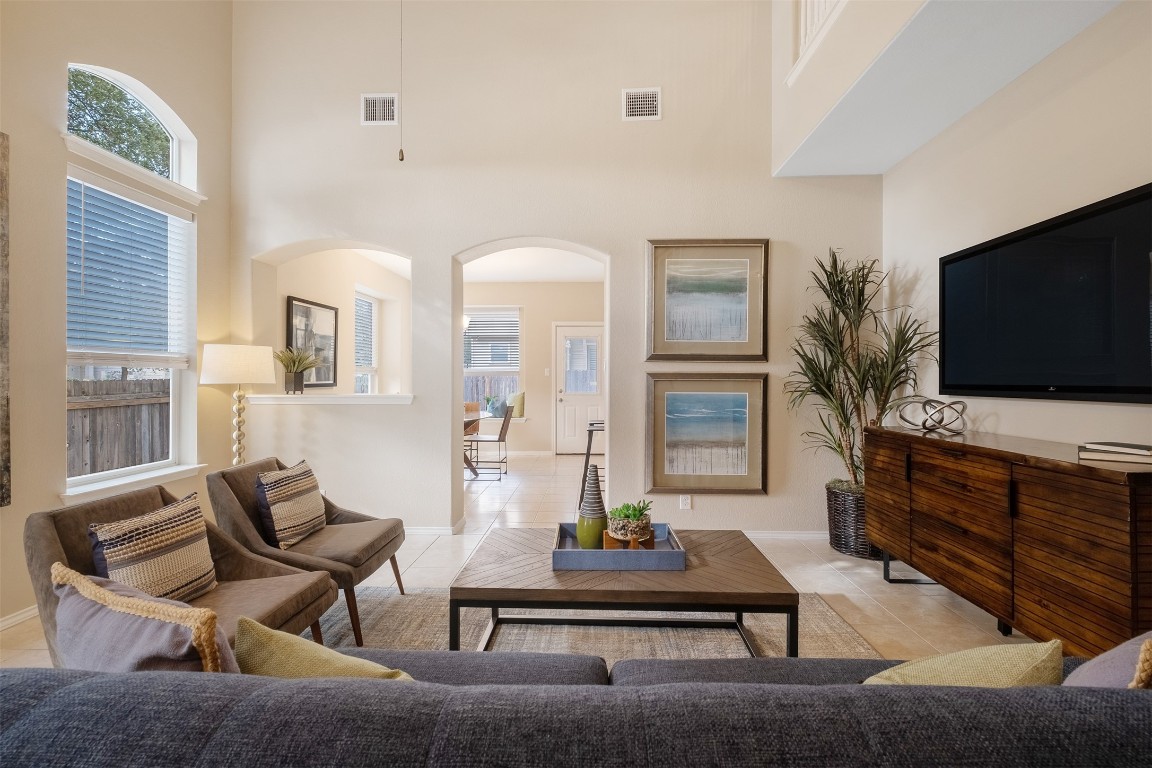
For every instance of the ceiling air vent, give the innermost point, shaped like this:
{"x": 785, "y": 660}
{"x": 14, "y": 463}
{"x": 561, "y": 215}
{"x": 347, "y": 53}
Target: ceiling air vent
{"x": 640, "y": 103}
{"x": 378, "y": 109}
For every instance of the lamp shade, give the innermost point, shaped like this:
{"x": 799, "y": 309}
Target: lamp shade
{"x": 237, "y": 364}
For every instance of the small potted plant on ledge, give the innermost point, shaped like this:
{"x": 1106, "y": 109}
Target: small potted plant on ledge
{"x": 854, "y": 359}
{"x": 630, "y": 521}
{"x": 295, "y": 363}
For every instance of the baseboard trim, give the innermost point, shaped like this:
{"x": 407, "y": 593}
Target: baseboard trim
{"x": 524, "y": 454}
{"x": 434, "y": 530}
{"x": 12, "y": 619}
{"x": 786, "y": 534}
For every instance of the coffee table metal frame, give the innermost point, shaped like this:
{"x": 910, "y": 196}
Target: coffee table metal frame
{"x": 680, "y": 602}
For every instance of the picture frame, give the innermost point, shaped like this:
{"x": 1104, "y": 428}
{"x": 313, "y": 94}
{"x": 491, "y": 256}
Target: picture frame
{"x": 313, "y": 327}
{"x": 707, "y": 300}
{"x": 707, "y": 433}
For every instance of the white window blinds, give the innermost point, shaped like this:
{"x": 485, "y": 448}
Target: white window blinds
{"x": 365, "y": 332}
{"x": 492, "y": 340}
{"x": 127, "y": 281}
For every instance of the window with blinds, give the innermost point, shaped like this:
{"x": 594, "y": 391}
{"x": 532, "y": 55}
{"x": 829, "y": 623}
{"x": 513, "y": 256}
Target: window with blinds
{"x": 491, "y": 356}
{"x": 130, "y": 287}
{"x": 367, "y": 312}
{"x": 492, "y": 340}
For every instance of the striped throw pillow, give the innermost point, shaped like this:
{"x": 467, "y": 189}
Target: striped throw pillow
{"x": 163, "y": 553}
{"x": 291, "y": 506}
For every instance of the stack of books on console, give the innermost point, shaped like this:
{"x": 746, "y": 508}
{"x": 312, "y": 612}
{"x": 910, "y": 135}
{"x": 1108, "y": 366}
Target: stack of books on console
{"x": 1134, "y": 453}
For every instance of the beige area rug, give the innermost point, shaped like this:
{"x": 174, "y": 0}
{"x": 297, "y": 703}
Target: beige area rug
{"x": 419, "y": 620}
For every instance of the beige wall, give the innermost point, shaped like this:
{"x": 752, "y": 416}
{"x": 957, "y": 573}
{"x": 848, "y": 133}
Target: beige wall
{"x": 1074, "y": 129}
{"x": 182, "y": 51}
{"x": 542, "y": 304}
{"x": 512, "y": 129}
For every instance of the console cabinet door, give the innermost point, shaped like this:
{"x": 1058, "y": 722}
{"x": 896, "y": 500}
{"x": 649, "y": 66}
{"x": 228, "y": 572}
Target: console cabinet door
{"x": 961, "y": 526}
{"x": 1073, "y": 560}
{"x": 886, "y": 495}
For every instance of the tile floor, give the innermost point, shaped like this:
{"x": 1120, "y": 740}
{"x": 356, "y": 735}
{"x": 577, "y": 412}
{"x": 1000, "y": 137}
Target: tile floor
{"x": 901, "y": 621}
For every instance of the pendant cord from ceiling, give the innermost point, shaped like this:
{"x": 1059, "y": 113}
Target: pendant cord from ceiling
{"x": 401, "y": 79}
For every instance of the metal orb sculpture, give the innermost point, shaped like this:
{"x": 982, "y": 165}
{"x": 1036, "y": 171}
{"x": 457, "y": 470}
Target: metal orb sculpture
{"x": 934, "y": 415}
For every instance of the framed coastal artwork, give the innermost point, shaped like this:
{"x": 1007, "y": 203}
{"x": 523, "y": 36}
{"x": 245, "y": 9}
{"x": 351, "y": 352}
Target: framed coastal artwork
{"x": 707, "y": 433}
{"x": 706, "y": 300}
{"x": 312, "y": 327}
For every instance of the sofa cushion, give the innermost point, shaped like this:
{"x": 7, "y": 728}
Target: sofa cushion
{"x": 490, "y": 668}
{"x": 264, "y": 651}
{"x": 1119, "y": 667}
{"x": 789, "y": 671}
{"x": 270, "y": 601}
{"x": 291, "y": 506}
{"x": 991, "y": 666}
{"x": 105, "y": 626}
{"x": 164, "y": 553}
{"x": 351, "y": 543}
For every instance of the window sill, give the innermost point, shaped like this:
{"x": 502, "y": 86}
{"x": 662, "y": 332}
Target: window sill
{"x": 82, "y": 492}
{"x": 330, "y": 399}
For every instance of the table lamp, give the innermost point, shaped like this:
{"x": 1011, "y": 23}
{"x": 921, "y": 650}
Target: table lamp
{"x": 237, "y": 364}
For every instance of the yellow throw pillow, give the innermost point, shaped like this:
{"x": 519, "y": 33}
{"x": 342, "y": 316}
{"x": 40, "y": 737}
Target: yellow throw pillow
{"x": 993, "y": 666}
{"x": 269, "y": 652}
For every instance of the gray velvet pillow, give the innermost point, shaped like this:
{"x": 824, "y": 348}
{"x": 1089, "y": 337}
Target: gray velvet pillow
{"x": 1113, "y": 669}
{"x": 105, "y": 626}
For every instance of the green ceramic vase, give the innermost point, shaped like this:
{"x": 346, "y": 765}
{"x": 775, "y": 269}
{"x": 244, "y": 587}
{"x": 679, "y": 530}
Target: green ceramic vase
{"x": 593, "y": 519}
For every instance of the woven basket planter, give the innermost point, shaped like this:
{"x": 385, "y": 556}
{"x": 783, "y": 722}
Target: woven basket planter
{"x": 846, "y": 524}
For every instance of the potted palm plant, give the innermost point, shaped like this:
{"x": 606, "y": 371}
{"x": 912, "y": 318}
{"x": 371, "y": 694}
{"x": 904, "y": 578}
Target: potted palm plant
{"x": 854, "y": 360}
{"x": 295, "y": 362}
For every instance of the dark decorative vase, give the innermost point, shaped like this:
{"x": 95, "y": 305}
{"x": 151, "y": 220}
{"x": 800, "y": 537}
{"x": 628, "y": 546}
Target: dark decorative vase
{"x": 846, "y": 531}
{"x": 293, "y": 382}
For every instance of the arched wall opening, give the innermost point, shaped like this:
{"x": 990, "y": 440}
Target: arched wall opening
{"x": 555, "y": 285}
{"x": 338, "y": 273}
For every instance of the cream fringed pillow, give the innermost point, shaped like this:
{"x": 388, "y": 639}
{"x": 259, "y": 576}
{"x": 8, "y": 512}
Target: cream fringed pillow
{"x": 269, "y": 652}
{"x": 993, "y": 666}
{"x": 105, "y": 626}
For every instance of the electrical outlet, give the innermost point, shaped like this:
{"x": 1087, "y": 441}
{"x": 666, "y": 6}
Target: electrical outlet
{"x": 685, "y": 501}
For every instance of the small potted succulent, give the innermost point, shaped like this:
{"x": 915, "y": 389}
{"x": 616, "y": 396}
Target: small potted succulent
{"x": 295, "y": 363}
{"x": 629, "y": 521}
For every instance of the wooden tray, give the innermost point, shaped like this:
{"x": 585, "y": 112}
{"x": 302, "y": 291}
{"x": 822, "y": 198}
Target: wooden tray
{"x": 666, "y": 554}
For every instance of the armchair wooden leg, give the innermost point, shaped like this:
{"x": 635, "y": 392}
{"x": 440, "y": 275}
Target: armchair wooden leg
{"x": 354, "y": 615}
{"x": 396, "y": 570}
{"x": 316, "y": 636}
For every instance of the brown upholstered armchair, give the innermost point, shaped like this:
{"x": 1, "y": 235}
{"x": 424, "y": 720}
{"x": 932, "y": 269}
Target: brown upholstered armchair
{"x": 269, "y": 592}
{"x": 350, "y": 546}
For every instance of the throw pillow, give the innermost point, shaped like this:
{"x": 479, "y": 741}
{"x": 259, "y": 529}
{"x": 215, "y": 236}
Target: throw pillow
{"x": 105, "y": 626}
{"x": 1128, "y": 665}
{"x": 994, "y": 666}
{"x": 516, "y": 403}
{"x": 164, "y": 553}
{"x": 291, "y": 506}
{"x": 272, "y": 653}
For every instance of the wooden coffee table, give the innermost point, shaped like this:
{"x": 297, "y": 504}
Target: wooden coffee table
{"x": 726, "y": 573}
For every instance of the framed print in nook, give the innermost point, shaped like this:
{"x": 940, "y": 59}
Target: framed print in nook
{"x": 706, "y": 300}
{"x": 707, "y": 433}
{"x": 312, "y": 327}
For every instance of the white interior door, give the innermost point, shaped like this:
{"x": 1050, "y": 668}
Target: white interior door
{"x": 579, "y": 385}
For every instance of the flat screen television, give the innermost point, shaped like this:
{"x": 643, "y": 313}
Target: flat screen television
{"x": 1059, "y": 310}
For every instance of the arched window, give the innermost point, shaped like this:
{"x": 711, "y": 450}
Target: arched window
{"x": 110, "y": 117}
{"x": 130, "y": 298}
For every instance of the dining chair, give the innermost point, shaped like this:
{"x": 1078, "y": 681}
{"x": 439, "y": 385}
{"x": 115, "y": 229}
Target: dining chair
{"x": 474, "y": 427}
{"x": 485, "y": 467}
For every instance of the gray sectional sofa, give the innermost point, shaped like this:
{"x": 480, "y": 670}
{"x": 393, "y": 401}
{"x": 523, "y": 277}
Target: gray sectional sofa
{"x": 519, "y": 709}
